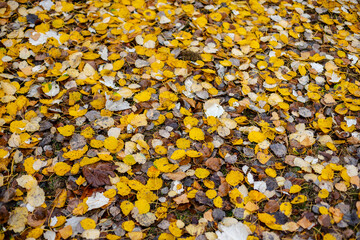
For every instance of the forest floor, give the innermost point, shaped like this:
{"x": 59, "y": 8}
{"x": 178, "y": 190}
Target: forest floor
{"x": 209, "y": 119}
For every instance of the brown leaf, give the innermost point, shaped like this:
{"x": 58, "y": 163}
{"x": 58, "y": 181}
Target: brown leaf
{"x": 336, "y": 214}
{"x": 224, "y": 189}
{"x": 98, "y": 174}
{"x": 176, "y": 175}
{"x": 202, "y": 198}
{"x": 305, "y": 223}
{"x": 4, "y": 215}
{"x": 181, "y": 199}
{"x": 289, "y": 159}
{"x": 271, "y": 206}
{"x": 214, "y": 163}
{"x": 208, "y": 215}
{"x": 183, "y": 207}
{"x": 324, "y": 220}
{"x": 38, "y": 217}
{"x": 7, "y": 195}
{"x": 66, "y": 232}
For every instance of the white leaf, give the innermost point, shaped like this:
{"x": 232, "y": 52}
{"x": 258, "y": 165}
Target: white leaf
{"x": 260, "y": 186}
{"x": 335, "y": 78}
{"x": 318, "y": 67}
{"x": 353, "y": 58}
{"x": 238, "y": 231}
{"x": 104, "y": 53}
{"x": 116, "y": 106}
{"x": 74, "y": 222}
{"x": 49, "y": 235}
{"x": 55, "y": 89}
{"x": 213, "y": 108}
{"x": 46, "y": 4}
{"x": 97, "y": 201}
{"x": 91, "y": 234}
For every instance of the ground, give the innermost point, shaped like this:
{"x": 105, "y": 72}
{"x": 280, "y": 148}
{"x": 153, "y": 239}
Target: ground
{"x": 179, "y": 119}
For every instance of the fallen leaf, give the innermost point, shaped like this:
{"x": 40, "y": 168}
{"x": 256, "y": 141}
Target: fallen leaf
{"x": 98, "y": 174}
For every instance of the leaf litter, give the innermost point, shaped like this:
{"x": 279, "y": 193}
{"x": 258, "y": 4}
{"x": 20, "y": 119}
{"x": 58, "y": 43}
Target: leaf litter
{"x": 179, "y": 119}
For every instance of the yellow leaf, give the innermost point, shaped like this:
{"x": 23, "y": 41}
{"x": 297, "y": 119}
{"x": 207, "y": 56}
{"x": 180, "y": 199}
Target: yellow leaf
{"x": 183, "y": 143}
{"x": 178, "y": 154}
{"x": 193, "y": 153}
{"x": 164, "y": 166}
{"x": 110, "y": 193}
{"x": 256, "y": 137}
{"x": 88, "y": 223}
{"x": 302, "y": 70}
{"x": 143, "y": 96}
{"x": 123, "y": 189}
{"x": 226, "y": 63}
{"x": 118, "y": 65}
{"x": 216, "y": 16}
{"x": 60, "y": 220}
{"x": 35, "y": 233}
{"x": 80, "y": 180}
{"x": 211, "y": 193}
{"x": 177, "y": 232}
{"x": 154, "y": 183}
{"x": 262, "y": 157}
{"x": 234, "y": 177}
{"x": 58, "y": 23}
{"x": 196, "y": 134}
{"x": 262, "y": 65}
{"x": 87, "y": 132}
{"x": 202, "y": 173}
{"x": 270, "y": 172}
{"x": 256, "y": 195}
{"x": 67, "y": 130}
{"x": 111, "y": 143}
{"x": 201, "y": 21}
{"x": 67, "y": 7}
{"x": 218, "y": 202}
{"x": 284, "y": 38}
{"x": 323, "y": 193}
{"x": 139, "y": 120}
{"x": 128, "y": 225}
{"x": 126, "y": 207}
{"x": 80, "y": 209}
{"x": 142, "y": 205}
{"x": 189, "y": 9}
{"x": 299, "y": 199}
{"x": 328, "y": 236}
{"x": 129, "y": 160}
{"x": 286, "y": 208}
{"x": 28, "y": 165}
{"x": 325, "y": 124}
{"x": 90, "y": 56}
{"x": 61, "y": 168}
{"x": 61, "y": 199}
{"x": 251, "y": 207}
{"x": 327, "y": 173}
{"x": 166, "y": 236}
{"x": 75, "y": 111}
{"x": 266, "y": 218}
{"x": 112, "y": 237}
{"x": 331, "y": 146}
{"x": 17, "y": 126}
{"x": 295, "y": 189}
